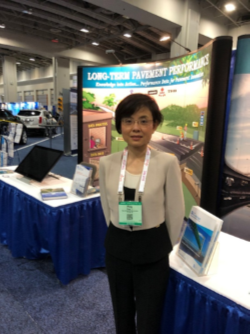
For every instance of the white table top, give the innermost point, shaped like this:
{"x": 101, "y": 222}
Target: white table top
{"x": 232, "y": 279}
{"x": 34, "y": 188}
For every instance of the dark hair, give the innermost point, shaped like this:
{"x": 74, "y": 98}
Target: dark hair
{"x": 132, "y": 103}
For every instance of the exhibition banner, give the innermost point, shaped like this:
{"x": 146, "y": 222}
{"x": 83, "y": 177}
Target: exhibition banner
{"x": 180, "y": 87}
{"x": 235, "y": 193}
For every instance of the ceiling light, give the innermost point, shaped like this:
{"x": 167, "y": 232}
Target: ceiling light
{"x": 164, "y": 38}
{"x": 29, "y": 11}
{"x": 2, "y": 26}
{"x": 127, "y": 34}
{"x": 110, "y": 51}
{"x": 230, "y": 7}
{"x": 95, "y": 43}
{"x": 18, "y": 63}
{"x": 84, "y": 30}
{"x": 32, "y": 59}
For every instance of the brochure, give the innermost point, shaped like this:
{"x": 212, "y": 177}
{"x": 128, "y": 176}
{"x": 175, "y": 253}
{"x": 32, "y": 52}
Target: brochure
{"x": 6, "y": 171}
{"x": 81, "y": 180}
{"x": 50, "y": 193}
{"x": 199, "y": 239}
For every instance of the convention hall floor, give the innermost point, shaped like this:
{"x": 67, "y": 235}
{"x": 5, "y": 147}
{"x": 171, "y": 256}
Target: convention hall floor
{"x": 33, "y": 301}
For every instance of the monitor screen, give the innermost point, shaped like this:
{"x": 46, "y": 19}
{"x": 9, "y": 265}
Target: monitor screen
{"x": 38, "y": 162}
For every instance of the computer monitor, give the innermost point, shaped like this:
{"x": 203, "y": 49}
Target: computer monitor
{"x": 38, "y": 162}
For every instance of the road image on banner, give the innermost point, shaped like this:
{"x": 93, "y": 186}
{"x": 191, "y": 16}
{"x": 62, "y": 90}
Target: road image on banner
{"x": 180, "y": 87}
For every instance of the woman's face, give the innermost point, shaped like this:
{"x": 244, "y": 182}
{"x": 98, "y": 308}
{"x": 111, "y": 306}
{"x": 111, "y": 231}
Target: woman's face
{"x": 138, "y": 128}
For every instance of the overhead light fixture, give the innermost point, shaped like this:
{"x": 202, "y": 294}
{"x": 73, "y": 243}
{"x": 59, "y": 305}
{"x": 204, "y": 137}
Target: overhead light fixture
{"x": 95, "y": 43}
{"x": 164, "y": 38}
{"x": 2, "y": 26}
{"x": 18, "y": 63}
{"x": 110, "y": 51}
{"x": 32, "y": 59}
{"x": 28, "y": 11}
{"x": 230, "y": 7}
{"x": 84, "y": 30}
{"x": 127, "y": 34}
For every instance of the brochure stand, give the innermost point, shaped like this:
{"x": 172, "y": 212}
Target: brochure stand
{"x": 81, "y": 180}
{"x": 213, "y": 263}
{"x": 198, "y": 246}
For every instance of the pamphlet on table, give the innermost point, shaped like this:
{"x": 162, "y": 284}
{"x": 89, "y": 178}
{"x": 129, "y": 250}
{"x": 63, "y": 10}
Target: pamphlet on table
{"x": 50, "y": 193}
{"x": 6, "y": 171}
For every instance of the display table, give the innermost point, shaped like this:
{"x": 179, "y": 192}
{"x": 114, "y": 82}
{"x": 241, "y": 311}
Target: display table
{"x": 72, "y": 230}
{"x": 211, "y": 304}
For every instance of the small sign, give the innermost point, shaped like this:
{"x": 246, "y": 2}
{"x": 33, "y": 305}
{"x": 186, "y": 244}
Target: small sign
{"x": 195, "y": 124}
{"x": 97, "y": 154}
{"x": 179, "y": 128}
{"x": 96, "y": 125}
{"x": 188, "y": 171}
{"x": 153, "y": 92}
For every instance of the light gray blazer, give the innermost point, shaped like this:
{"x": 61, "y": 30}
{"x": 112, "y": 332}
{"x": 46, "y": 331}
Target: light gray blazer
{"x": 162, "y": 199}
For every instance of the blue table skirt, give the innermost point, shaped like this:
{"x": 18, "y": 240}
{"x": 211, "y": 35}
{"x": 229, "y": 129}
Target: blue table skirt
{"x": 190, "y": 308}
{"x": 73, "y": 234}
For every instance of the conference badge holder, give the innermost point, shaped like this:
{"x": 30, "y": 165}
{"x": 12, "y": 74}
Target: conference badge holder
{"x": 130, "y": 213}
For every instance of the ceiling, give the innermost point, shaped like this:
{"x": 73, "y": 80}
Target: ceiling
{"x": 236, "y": 18}
{"x": 60, "y": 21}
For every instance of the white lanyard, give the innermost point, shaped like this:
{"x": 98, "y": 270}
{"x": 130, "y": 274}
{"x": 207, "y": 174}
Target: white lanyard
{"x": 123, "y": 171}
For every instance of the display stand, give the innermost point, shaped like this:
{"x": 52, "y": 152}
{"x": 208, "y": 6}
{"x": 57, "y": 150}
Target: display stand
{"x": 198, "y": 244}
{"x": 212, "y": 266}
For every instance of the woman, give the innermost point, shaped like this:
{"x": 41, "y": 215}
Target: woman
{"x": 142, "y": 200}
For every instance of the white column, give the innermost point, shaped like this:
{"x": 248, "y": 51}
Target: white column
{"x": 188, "y": 35}
{"x": 61, "y": 76}
{"x": 9, "y": 79}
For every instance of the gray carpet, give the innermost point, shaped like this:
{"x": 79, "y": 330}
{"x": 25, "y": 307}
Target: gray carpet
{"x": 32, "y": 299}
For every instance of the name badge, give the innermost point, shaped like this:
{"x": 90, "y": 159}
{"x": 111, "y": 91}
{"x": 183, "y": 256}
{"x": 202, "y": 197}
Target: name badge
{"x": 130, "y": 213}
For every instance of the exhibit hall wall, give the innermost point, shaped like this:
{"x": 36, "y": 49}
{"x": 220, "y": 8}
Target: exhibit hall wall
{"x": 234, "y": 206}
{"x": 180, "y": 86}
